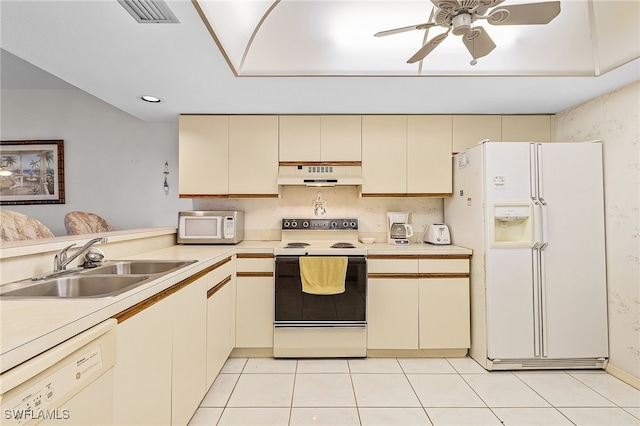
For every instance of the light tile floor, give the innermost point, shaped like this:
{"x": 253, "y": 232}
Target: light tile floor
{"x": 410, "y": 391}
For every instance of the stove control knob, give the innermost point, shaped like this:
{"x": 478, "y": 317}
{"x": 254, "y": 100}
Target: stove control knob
{"x": 305, "y": 224}
{"x": 345, "y": 224}
{"x": 294, "y": 224}
{"x": 286, "y": 224}
{"x": 353, "y": 225}
{"x": 334, "y": 224}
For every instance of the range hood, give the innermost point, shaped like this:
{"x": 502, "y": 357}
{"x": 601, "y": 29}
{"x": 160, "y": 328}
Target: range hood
{"x": 319, "y": 175}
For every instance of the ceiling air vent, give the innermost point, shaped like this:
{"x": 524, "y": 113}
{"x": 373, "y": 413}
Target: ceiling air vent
{"x": 149, "y": 11}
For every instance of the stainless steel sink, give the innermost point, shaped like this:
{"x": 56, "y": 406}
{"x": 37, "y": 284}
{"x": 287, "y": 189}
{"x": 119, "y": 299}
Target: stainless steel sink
{"x": 136, "y": 267}
{"x": 78, "y": 286}
{"x": 108, "y": 280}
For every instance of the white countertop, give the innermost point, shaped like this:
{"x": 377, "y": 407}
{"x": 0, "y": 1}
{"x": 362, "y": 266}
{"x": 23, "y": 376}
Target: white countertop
{"x": 30, "y": 327}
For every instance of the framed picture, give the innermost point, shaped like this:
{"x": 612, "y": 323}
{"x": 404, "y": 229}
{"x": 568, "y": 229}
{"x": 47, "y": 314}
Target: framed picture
{"x": 31, "y": 172}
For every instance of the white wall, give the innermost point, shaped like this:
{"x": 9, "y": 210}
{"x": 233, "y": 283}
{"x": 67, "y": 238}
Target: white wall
{"x": 114, "y": 162}
{"x": 614, "y": 119}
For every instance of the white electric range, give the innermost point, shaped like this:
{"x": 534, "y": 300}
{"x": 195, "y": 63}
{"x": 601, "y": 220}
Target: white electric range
{"x": 311, "y": 325}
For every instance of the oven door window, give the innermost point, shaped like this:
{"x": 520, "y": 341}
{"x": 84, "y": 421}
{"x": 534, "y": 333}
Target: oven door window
{"x": 294, "y": 306}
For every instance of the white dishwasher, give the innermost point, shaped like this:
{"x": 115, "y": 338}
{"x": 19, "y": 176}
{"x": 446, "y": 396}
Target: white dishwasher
{"x": 70, "y": 384}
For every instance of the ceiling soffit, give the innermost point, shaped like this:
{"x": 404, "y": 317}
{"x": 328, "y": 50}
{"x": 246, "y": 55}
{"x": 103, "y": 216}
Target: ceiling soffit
{"x": 335, "y": 38}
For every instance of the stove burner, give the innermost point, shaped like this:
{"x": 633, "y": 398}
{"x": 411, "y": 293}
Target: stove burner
{"x": 343, "y": 245}
{"x": 296, "y": 245}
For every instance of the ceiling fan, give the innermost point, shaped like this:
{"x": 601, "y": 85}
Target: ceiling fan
{"x": 459, "y": 16}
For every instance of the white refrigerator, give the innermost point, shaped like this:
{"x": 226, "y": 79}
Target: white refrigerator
{"x": 533, "y": 214}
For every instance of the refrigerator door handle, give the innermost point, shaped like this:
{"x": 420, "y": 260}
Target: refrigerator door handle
{"x": 539, "y": 171}
{"x": 543, "y": 302}
{"x": 533, "y": 173}
{"x": 537, "y": 336}
{"x": 545, "y": 226}
{"x": 537, "y": 225}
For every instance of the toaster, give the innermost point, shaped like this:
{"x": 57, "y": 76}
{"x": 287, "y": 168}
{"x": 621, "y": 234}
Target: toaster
{"x": 437, "y": 233}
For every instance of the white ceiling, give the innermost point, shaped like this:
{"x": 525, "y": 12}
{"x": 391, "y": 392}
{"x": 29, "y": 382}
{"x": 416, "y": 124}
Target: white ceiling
{"x": 97, "y": 46}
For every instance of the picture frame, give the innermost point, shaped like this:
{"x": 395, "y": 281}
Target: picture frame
{"x": 31, "y": 172}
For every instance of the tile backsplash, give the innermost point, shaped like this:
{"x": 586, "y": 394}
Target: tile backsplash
{"x": 262, "y": 216}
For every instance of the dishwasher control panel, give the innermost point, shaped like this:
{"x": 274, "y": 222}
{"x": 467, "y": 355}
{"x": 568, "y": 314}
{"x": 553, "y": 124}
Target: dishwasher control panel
{"x": 42, "y": 397}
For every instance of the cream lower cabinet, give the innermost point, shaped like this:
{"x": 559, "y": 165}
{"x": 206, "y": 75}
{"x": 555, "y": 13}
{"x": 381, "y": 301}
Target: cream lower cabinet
{"x": 161, "y": 370}
{"x": 220, "y": 316}
{"x": 254, "y": 300}
{"x": 189, "y": 363}
{"x": 419, "y": 302}
{"x": 392, "y": 303}
{"x": 142, "y": 383}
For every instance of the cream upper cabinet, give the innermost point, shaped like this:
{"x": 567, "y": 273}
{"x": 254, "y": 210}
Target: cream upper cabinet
{"x": 384, "y": 154}
{"x": 469, "y": 130}
{"x": 253, "y": 155}
{"x": 313, "y": 138}
{"x": 203, "y": 155}
{"x": 299, "y": 138}
{"x": 429, "y": 154}
{"x": 340, "y": 138}
{"x": 406, "y": 155}
{"x": 526, "y": 128}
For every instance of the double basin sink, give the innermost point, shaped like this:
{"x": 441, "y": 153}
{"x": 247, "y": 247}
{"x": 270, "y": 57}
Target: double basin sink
{"x": 107, "y": 280}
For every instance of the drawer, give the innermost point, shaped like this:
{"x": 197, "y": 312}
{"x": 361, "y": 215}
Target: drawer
{"x": 454, "y": 266}
{"x": 392, "y": 266}
{"x": 255, "y": 263}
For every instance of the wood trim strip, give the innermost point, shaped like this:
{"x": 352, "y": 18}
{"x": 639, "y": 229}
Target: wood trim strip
{"x": 419, "y": 256}
{"x": 219, "y": 264}
{"x": 254, "y": 255}
{"x": 213, "y": 290}
{"x": 393, "y": 276}
{"x": 419, "y": 275}
{"x": 253, "y": 274}
{"x": 253, "y": 195}
{"x": 141, "y": 306}
{"x": 320, "y": 163}
{"x": 228, "y": 196}
{"x": 425, "y": 195}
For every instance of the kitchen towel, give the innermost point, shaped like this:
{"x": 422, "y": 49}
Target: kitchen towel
{"x": 323, "y": 274}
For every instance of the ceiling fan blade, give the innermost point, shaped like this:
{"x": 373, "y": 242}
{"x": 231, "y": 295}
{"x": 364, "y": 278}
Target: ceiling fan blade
{"x": 525, "y": 14}
{"x": 478, "y": 42}
{"x": 449, "y": 6}
{"x": 486, "y": 5}
{"x": 405, "y": 29}
{"x": 427, "y": 48}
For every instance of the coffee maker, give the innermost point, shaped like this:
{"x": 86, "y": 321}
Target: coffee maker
{"x": 398, "y": 228}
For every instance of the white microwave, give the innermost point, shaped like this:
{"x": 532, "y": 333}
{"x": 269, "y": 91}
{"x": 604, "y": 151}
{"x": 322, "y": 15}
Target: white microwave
{"x": 210, "y": 227}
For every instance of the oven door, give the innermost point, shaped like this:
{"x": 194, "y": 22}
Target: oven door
{"x": 295, "y": 308}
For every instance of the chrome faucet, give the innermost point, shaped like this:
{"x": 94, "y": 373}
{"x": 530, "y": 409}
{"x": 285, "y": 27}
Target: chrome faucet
{"x": 61, "y": 259}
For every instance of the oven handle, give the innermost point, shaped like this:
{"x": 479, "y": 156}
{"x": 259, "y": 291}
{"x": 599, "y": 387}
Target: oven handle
{"x": 308, "y": 325}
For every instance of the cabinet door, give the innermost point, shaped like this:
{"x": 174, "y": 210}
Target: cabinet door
{"x": 142, "y": 375}
{"x": 429, "y": 154}
{"x": 526, "y": 128}
{"x": 219, "y": 343}
{"x": 203, "y": 155}
{"x": 254, "y": 312}
{"x": 189, "y": 312}
{"x": 384, "y": 154}
{"x": 444, "y": 313}
{"x": 299, "y": 137}
{"x": 392, "y": 319}
{"x": 470, "y": 130}
{"x": 253, "y": 155}
{"x": 340, "y": 138}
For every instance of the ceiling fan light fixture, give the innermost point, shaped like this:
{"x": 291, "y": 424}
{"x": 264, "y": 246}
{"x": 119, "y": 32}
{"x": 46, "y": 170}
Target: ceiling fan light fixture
{"x": 461, "y": 24}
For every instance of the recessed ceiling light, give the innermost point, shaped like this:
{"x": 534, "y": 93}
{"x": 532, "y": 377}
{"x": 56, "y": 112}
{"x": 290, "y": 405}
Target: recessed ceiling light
{"x": 151, "y": 99}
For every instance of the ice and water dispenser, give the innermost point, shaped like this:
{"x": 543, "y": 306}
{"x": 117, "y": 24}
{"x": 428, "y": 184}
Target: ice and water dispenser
{"x": 512, "y": 225}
